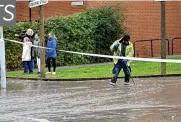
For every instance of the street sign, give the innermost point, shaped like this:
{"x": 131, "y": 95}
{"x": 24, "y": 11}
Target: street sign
{"x": 160, "y": 0}
{"x": 78, "y": 3}
{"x": 35, "y": 3}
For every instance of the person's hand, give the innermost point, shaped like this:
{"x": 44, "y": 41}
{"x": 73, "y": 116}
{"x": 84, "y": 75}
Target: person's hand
{"x": 124, "y": 61}
{"x": 116, "y": 46}
{"x": 121, "y": 40}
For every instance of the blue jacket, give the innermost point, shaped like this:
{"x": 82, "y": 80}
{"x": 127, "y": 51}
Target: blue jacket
{"x": 51, "y": 53}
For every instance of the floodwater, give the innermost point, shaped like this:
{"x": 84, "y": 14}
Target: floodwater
{"x": 150, "y": 100}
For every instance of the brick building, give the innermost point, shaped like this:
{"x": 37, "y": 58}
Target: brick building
{"x": 143, "y": 20}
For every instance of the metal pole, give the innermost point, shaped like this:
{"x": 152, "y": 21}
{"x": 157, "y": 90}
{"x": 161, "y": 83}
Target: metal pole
{"x": 3, "y": 63}
{"x": 42, "y": 39}
{"x": 163, "y": 37}
{"x": 168, "y": 47}
{"x": 151, "y": 48}
{"x": 30, "y": 12}
{"x": 134, "y": 49}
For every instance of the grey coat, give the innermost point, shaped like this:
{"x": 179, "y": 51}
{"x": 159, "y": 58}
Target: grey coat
{"x": 36, "y": 50}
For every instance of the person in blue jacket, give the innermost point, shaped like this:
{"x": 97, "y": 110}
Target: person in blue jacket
{"x": 51, "y": 53}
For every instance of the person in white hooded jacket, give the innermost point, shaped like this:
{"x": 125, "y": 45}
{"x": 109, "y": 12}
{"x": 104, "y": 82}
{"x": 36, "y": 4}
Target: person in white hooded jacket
{"x": 26, "y": 55}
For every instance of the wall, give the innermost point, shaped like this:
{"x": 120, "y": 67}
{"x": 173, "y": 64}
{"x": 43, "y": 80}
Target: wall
{"x": 142, "y": 20}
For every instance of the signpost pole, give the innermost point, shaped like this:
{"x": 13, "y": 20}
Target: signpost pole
{"x": 42, "y": 39}
{"x": 163, "y": 38}
{"x": 40, "y": 3}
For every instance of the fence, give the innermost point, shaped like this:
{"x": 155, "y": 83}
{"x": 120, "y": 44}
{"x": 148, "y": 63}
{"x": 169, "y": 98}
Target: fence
{"x": 148, "y": 48}
{"x": 144, "y": 51}
{"x": 176, "y": 46}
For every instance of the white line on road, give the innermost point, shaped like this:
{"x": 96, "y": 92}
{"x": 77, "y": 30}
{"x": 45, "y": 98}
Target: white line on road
{"x": 39, "y": 120}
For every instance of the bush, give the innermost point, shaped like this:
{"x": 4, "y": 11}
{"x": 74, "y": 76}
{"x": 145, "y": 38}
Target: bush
{"x": 92, "y": 31}
{"x": 13, "y": 50}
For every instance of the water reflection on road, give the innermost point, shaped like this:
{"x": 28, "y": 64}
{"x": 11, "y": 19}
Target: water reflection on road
{"x": 150, "y": 100}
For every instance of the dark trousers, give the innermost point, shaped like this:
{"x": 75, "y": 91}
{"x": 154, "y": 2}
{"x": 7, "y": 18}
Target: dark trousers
{"x": 49, "y": 64}
{"x": 116, "y": 70}
{"x": 32, "y": 64}
{"x": 28, "y": 66}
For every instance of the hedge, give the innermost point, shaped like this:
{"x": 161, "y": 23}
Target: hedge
{"x": 92, "y": 31}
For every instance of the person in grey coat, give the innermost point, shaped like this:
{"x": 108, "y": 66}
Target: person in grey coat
{"x": 36, "y": 51}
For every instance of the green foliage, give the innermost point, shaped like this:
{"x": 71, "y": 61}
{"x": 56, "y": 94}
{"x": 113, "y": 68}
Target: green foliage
{"x": 92, "y": 31}
{"x": 14, "y": 51}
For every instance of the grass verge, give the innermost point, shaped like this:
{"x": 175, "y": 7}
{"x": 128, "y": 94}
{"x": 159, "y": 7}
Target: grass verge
{"x": 139, "y": 68}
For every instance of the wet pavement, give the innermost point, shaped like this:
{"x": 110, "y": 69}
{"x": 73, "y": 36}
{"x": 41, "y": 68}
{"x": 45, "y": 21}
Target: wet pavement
{"x": 150, "y": 100}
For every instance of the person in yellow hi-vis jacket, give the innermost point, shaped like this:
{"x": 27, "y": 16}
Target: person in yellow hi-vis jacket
{"x": 122, "y": 47}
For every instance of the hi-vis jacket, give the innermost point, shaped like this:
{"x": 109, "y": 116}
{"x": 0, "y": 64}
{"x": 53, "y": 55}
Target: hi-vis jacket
{"x": 117, "y": 52}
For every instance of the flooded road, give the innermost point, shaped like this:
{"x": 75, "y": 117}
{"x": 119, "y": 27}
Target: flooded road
{"x": 150, "y": 100}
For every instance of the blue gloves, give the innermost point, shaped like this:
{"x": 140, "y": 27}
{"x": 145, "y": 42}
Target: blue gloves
{"x": 116, "y": 46}
{"x": 124, "y": 61}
